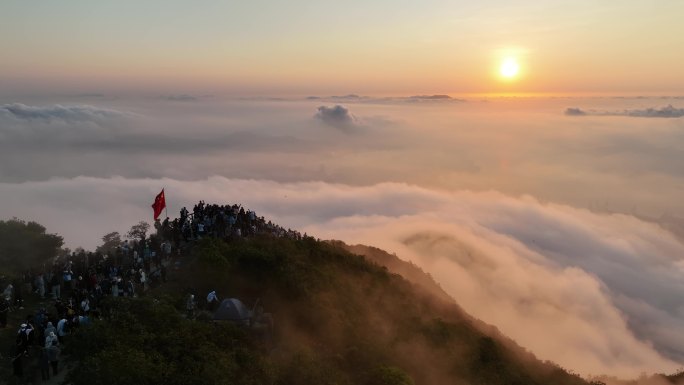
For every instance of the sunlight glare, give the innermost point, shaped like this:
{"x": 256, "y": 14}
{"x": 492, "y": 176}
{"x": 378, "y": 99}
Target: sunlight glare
{"x": 509, "y": 68}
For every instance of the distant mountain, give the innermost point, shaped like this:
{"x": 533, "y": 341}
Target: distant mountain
{"x": 431, "y": 97}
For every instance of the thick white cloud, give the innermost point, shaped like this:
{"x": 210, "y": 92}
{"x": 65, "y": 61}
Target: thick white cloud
{"x": 597, "y": 293}
{"x": 514, "y": 146}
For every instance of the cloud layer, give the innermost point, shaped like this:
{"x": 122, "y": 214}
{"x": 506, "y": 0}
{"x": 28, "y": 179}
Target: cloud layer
{"x": 573, "y": 273}
{"x": 665, "y": 112}
{"x": 181, "y": 98}
{"x": 514, "y": 146}
{"x": 597, "y": 293}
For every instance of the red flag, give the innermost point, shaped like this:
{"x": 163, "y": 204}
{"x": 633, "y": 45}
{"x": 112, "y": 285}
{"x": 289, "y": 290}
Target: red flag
{"x": 159, "y": 204}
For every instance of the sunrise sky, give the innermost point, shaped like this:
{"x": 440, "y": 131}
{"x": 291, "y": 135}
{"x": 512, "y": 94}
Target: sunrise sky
{"x": 371, "y": 47}
{"x": 566, "y": 198}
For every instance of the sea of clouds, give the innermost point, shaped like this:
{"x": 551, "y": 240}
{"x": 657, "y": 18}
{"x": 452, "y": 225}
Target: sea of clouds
{"x": 560, "y": 229}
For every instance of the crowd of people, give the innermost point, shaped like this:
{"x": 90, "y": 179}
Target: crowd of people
{"x": 78, "y": 282}
{"x": 223, "y": 221}
{"x": 75, "y": 286}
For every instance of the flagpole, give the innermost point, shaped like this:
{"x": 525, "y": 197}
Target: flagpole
{"x": 166, "y": 207}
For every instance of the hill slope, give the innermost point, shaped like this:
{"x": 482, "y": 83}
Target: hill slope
{"x": 340, "y": 319}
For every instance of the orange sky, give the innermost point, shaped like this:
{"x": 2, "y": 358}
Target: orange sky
{"x": 378, "y": 47}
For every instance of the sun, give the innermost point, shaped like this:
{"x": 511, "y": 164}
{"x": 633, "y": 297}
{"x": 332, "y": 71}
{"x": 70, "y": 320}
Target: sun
{"x": 509, "y": 68}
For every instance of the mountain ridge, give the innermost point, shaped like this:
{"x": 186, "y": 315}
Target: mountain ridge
{"x": 340, "y": 319}
{"x": 340, "y": 315}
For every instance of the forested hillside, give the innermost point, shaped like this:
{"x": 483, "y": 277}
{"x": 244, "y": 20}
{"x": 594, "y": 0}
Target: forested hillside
{"x": 339, "y": 319}
{"x": 315, "y": 312}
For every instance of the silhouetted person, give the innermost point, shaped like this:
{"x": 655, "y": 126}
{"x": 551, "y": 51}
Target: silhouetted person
{"x": 190, "y": 306}
{"x": 53, "y": 355}
{"x": 212, "y": 300}
{"x": 4, "y": 309}
{"x": 17, "y": 355}
{"x": 44, "y": 362}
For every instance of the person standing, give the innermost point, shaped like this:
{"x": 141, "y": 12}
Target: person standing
{"x": 17, "y": 364}
{"x": 55, "y": 286}
{"x": 212, "y": 300}
{"x": 53, "y": 356}
{"x": 50, "y": 338}
{"x": 8, "y": 293}
{"x": 4, "y": 309}
{"x": 22, "y": 339}
{"x": 40, "y": 283}
{"x": 68, "y": 277}
{"x": 190, "y": 306}
{"x": 167, "y": 249}
{"x": 85, "y": 305}
{"x": 44, "y": 364}
{"x": 130, "y": 288}
{"x": 143, "y": 280}
{"x": 61, "y": 330}
{"x": 49, "y": 329}
{"x": 125, "y": 249}
{"x": 115, "y": 287}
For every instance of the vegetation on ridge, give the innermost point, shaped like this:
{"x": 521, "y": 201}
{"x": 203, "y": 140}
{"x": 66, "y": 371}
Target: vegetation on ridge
{"x": 24, "y": 245}
{"x": 339, "y": 319}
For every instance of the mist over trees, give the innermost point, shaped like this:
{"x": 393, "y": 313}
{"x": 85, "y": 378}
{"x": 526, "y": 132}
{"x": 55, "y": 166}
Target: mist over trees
{"x": 339, "y": 318}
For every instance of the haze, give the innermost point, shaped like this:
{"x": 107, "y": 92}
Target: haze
{"x": 549, "y": 206}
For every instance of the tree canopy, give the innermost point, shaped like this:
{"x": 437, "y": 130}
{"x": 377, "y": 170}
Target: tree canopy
{"x": 24, "y": 245}
{"x": 110, "y": 242}
{"x": 339, "y": 320}
{"x": 138, "y": 231}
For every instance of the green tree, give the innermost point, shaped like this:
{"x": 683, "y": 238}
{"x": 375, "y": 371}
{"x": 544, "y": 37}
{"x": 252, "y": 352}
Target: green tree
{"x": 24, "y": 245}
{"x": 145, "y": 341}
{"x": 390, "y": 375}
{"x": 138, "y": 231}
{"x": 110, "y": 242}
